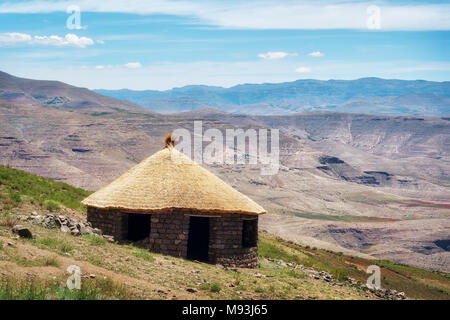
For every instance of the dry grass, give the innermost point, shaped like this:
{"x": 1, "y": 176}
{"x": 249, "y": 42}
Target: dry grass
{"x": 8, "y": 220}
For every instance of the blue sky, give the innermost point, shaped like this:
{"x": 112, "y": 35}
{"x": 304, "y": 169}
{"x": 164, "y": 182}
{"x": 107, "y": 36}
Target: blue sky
{"x": 164, "y": 44}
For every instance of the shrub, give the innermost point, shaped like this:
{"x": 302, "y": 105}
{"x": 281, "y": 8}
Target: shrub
{"x": 52, "y": 206}
{"x": 8, "y": 220}
{"x": 215, "y": 287}
{"x": 340, "y": 274}
{"x": 50, "y": 261}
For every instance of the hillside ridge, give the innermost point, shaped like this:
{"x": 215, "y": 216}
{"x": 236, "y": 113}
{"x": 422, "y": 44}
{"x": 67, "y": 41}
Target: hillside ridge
{"x": 286, "y": 269}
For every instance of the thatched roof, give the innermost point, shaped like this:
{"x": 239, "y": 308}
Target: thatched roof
{"x": 170, "y": 180}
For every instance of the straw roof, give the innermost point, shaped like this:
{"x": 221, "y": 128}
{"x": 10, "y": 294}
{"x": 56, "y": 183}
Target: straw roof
{"x": 170, "y": 180}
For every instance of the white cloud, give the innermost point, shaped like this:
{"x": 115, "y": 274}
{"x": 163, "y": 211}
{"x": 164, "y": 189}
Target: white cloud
{"x": 100, "y": 67}
{"x": 275, "y": 55}
{"x": 133, "y": 65}
{"x": 100, "y": 41}
{"x": 303, "y": 70}
{"x": 15, "y": 38}
{"x": 263, "y": 14}
{"x": 316, "y": 54}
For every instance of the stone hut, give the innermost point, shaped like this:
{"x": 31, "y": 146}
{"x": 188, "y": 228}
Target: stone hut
{"x": 171, "y": 205}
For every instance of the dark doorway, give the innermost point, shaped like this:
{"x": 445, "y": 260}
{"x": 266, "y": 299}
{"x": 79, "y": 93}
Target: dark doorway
{"x": 198, "y": 241}
{"x": 138, "y": 226}
{"x": 249, "y": 233}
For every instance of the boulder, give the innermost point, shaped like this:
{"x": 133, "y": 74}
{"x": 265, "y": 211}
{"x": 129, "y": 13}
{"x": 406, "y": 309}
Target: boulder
{"x": 86, "y": 230}
{"x": 65, "y": 228}
{"x": 38, "y": 220}
{"x": 22, "y": 231}
{"x": 109, "y": 238}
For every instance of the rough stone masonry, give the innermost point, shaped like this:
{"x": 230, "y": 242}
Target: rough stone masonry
{"x": 170, "y": 229}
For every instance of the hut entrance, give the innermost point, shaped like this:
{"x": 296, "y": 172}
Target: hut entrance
{"x": 198, "y": 239}
{"x": 138, "y": 226}
{"x": 249, "y": 233}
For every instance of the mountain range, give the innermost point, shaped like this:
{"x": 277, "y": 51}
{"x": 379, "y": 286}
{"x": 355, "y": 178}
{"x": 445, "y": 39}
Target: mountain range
{"x": 365, "y": 95}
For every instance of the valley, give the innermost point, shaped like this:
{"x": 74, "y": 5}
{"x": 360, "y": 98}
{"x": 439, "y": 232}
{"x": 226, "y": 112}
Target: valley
{"x": 367, "y": 185}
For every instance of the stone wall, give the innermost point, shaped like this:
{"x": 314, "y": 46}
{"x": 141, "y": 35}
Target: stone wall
{"x": 226, "y": 242}
{"x": 111, "y": 222}
{"x": 170, "y": 230}
{"x": 169, "y": 234}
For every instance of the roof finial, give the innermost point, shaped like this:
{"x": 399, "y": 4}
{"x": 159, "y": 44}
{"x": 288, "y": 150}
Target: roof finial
{"x": 169, "y": 141}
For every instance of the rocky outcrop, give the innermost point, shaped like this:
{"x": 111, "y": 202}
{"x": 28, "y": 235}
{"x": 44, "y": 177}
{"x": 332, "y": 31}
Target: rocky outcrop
{"x": 64, "y": 223}
{"x": 383, "y": 293}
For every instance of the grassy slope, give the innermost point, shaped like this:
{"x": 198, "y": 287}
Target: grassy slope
{"x": 17, "y": 186}
{"x": 36, "y": 268}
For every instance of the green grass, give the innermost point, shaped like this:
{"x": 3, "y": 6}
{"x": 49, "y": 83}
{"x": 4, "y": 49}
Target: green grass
{"x": 95, "y": 240}
{"x": 143, "y": 254}
{"x": 294, "y": 274}
{"x": 259, "y": 290}
{"x": 215, "y": 287}
{"x": 17, "y": 185}
{"x": 15, "y": 196}
{"x": 346, "y": 218}
{"x": 204, "y": 286}
{"x": 212, "y": 287}
{"x": 32, "y": 289}
{"x": 51, "y": 205}
{"x": 269, "y": 249}
{"x": 50, "y": 261}
{"x": 340, "y": 274}
{"x": 56, "y": 244}
{"x": 99, "y": 114}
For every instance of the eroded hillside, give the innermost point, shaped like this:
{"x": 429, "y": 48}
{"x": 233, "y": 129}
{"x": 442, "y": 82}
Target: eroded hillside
{"x": 35, "y": 268}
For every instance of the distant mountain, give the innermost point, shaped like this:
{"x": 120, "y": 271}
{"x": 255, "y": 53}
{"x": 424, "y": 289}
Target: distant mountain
{"x": 58, "y": 95}
{"x": 366, "y": 95}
